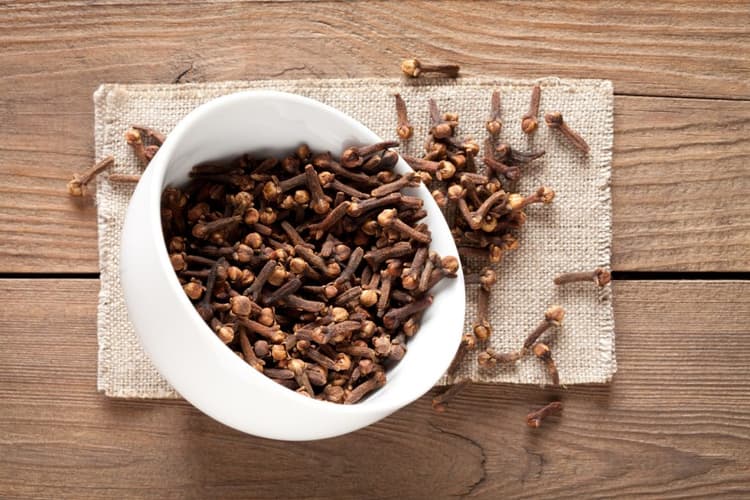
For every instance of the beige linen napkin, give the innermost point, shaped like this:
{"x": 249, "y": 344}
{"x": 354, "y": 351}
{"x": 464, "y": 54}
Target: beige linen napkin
{"x": 572, "y": 234}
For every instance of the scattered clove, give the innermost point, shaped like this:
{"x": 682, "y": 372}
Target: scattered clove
{"x": 77, "y": 186}
{"x": 135, "y": 141}
{"x": 439, "y": 401}
{"x": 299, "y": 269}
{"x": 529, "y": 122}
{"x": 535, "y": 418}
{"x": 599, "y": 276}
{"x": 490, "y": 357}
{"x": 468, "y": 343}
{"x": 481, "y": 327}
{"x": 552, "y": 317}
{"x": 494, "y": 125}
{"x": 555, "y": 120}
{"x": 157, "y": 137}
{"x": 404, "y": 129}
{"x": 543, "y": 352}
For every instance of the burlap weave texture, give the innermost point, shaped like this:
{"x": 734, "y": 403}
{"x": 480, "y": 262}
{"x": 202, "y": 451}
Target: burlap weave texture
{"x": 572, "y": 234}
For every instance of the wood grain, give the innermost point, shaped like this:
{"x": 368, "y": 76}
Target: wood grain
{"x": 675, "y": 422}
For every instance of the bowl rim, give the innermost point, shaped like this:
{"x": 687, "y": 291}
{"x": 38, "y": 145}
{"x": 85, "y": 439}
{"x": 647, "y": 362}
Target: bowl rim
{"x": 158, "y": 170}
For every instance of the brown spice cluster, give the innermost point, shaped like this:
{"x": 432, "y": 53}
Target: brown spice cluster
{"x": 483, "y": 209}
{"x": 313, "y": 269}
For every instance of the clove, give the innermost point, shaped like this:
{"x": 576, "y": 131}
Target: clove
{"x": 543, "y": 352}
{"x": 404, "y": 129}
{"x": 529, "y": 121}
{"x": 599, "y": 276}
{"x": 553, "y": 316}
{"x": 535, "y": 418}
{"x": 414, "y": 68}
{"x": 494, "y": 125}
{"x": 77, "y": 186}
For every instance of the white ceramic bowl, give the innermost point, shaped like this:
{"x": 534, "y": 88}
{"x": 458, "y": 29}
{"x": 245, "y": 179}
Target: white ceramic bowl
{"x": 185, "y": 350}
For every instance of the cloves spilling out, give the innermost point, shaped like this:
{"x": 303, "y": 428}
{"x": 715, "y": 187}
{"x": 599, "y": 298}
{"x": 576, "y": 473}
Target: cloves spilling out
{"x": 482, "y": 209}
{"x": 77, "y": 186}
{"x": 478, "y": 205}
{"x": 552, "y": 317}
{"x": 315, "y": 270}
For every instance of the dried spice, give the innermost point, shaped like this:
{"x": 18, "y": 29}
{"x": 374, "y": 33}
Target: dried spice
{"x": 553, "y": 316}
{"x": 404, "y": 129}
{"x": 125, "y": 178}
{"x": 481, "y": 208}
{"x": 305, "y": 266}
{"x": 134, "y": 137}
{"x": 599, "y": 276}
{"x": 489, "y": 357}
{"x": 77, "y": 186}
{"x": 535, "y": 418}
{"x": 529, "y": 122}
{"x": 440, "y": 400}
{"x": 494, "y": 125}
{"x": 543, "y": 352}
{"x": 555, "y": 120}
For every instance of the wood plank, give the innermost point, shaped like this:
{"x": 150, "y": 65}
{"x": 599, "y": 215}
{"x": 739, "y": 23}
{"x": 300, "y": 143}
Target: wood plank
{"x": 675, "y": 422}
{"x": 679, "y": 189}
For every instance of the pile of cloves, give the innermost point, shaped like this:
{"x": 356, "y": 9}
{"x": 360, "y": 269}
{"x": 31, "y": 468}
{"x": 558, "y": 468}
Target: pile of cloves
{"x": 144, "y": 141}
{"x": 482, "y": 210}
{"x": 315, "y": 270}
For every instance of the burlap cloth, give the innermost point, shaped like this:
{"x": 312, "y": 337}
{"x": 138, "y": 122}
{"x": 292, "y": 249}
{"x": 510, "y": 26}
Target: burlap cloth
{"x": 572, "y": 234}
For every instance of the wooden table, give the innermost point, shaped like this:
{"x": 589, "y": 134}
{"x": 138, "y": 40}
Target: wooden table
{"x": 676, "y": 419}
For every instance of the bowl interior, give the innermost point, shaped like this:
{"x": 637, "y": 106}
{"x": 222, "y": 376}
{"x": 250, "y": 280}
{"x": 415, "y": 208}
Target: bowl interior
{"x": 274, "y": 123}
